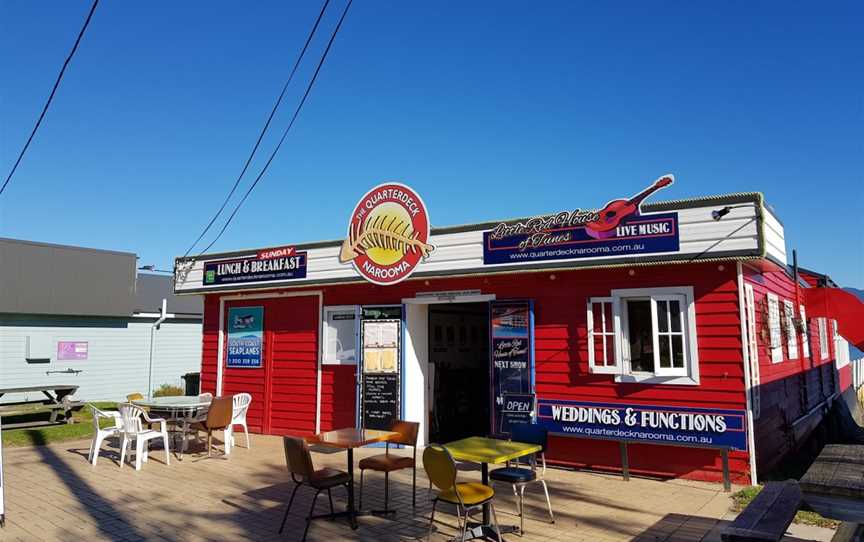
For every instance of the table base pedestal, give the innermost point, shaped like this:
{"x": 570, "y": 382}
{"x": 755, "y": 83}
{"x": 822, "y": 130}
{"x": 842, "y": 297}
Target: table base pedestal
{"x": 484, "y": 531}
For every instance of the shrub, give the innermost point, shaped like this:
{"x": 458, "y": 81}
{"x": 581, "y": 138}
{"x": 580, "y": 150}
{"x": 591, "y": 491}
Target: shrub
{"x": 168, "y": 390}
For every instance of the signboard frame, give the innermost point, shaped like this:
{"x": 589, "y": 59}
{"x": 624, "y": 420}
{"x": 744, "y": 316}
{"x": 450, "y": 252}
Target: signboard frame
{"x": 258, "y": 309}
{"x": 503, "y": 337}
{"x": 381, "y": 313}
{"x": 621, "y": 422}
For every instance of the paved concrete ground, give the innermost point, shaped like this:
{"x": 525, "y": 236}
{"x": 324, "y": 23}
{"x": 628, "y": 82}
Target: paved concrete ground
{"x": 52, "y": 493}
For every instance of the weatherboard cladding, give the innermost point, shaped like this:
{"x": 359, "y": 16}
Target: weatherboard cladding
{"x": 561, "y": 356}
{"x": 459, "y": 249}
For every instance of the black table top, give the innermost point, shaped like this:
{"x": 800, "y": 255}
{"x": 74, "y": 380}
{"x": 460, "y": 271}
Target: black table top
{"x": 838, "y": 471}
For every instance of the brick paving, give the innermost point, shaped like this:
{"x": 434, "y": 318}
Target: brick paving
{"x": 52, "y": 493}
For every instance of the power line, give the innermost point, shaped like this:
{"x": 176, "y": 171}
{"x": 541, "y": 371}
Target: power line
{"x": 263, "y": 130}
{"x": 284, "y": 134}
{"x": 51, "y": 96}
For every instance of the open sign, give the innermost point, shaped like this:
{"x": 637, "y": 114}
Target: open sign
{"x": 517, "y": 408}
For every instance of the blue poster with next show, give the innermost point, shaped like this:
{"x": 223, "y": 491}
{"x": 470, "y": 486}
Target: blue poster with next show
{"x": 245, "y": 337}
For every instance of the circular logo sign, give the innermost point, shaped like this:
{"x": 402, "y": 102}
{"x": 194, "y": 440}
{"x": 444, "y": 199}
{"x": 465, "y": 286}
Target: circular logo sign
{"x": 388, "y": 234}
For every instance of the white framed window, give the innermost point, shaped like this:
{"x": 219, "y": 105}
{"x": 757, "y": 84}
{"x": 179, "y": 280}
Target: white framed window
{"x": 823, "y": 338}
{"x": 339, "y": 334}
{"x": 776, "y": 345}
{"x": 656, "y": 329}
{"x": 841, "y": 347}
{"x": 602, "y": 337}
{"x": 752, "y": 349}
{"x": 791, "y": 334}
{"x": 805, "y": 332}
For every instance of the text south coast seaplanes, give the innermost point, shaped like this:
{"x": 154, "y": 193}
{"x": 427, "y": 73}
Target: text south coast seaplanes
{"x": 388, "y": 234}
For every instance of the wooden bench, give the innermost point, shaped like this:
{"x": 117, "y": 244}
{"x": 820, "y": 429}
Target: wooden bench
{"x": 769, "y": 515}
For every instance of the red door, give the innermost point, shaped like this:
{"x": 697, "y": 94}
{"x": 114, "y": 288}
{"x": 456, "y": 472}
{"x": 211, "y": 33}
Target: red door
{"x": 283, "y": 390}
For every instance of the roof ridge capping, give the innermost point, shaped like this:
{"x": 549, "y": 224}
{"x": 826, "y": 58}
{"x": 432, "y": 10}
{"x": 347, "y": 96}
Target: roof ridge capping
{"x": 667, "y": 205}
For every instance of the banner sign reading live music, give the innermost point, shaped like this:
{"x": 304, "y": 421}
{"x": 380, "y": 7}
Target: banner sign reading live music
{"x": 619, "y": 229}
{"x": 645, "y": 423}
{"x": 271, "y": 264}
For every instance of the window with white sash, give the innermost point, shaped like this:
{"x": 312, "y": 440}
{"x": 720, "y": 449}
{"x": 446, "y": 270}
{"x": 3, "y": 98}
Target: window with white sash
{"x": 791, "y": 335}
{"x": 644, "y": 335}
{"x": 602, "y": 350}
{"x": 340, "y": 335}
{"x": 805, "y": 333}
{"x": 776, "y": 335}
{"x": 752, "y": 350}
{"x": 841, "y": 347}
{"x": 823, "y": 338}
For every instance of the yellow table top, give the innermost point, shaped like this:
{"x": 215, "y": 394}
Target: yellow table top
{"x": 489, "y": 450}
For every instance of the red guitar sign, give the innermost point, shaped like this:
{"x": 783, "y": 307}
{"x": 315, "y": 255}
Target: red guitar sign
{"x": 617, "y": 210}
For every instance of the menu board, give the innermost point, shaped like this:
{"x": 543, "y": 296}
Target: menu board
{"x": 381, "y": 394}
{"x": 512, "y": 354}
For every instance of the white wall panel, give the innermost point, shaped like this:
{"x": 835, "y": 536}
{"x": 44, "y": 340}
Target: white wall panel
{"x": 118, "y": 354}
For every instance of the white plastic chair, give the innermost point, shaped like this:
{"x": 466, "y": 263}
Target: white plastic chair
{"x": 101, "y": 433}
{"x": 131, "y": 417}
{"x": 238, "y": 416}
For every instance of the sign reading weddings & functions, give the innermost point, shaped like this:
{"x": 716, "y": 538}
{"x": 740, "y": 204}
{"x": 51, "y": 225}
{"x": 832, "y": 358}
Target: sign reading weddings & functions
{"x": 245, "y": 337}
{"x": 283, "y": 263}
{"x": 645, "y": 423}
{"x": 619, "y": 229}
{"x": 72, "y": 350}
{"x": 388, "y": 234}
{"x": 511, "y": 355}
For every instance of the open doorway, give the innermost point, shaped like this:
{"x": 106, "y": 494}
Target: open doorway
{"x": 459, "y": 371}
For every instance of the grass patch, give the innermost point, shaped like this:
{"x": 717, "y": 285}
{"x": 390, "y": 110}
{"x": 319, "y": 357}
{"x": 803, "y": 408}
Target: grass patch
{"x": 805, "y": 517}
{"x": 81, "y": 428}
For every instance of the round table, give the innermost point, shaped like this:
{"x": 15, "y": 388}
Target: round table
{"x": 183, "y": 410}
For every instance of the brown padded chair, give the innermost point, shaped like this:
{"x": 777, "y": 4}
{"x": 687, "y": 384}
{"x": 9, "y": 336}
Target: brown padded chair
{"x": 388, "y": 462}
{"x": 302, "y": 471}
{"x": 218, "y": 418}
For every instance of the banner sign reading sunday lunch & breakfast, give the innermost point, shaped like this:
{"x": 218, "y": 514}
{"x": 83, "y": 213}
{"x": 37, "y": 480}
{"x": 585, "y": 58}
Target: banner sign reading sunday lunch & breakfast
{"x": 271, "y": 264}
{"x": 245, "y": 337}
{"x": 619, "y": 229}
{"x": 645, "y": 423}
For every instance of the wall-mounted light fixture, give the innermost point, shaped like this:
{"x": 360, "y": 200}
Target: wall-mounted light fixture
{"x": 717, "y": 214}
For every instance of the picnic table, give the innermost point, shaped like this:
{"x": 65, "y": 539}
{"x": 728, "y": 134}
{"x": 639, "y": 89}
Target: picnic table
{"x": 833, "y": 486}
{"x": 58, "y": 400}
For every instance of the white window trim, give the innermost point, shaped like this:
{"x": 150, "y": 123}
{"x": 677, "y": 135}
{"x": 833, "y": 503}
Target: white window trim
{"x": 791, "y": 334}
{"x": 752, "y": 349}
{"x": 691, "y": 350}
{"x": 805, "y": 332}
{"x": 775, "y": 341}
{"x": 824, "y": 351}
{"x": 604, "y": 369}
{"x": 325, "y": 332}
{"x": 841, "y": 347}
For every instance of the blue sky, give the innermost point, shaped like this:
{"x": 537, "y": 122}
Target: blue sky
{"x": 490, "y": 110}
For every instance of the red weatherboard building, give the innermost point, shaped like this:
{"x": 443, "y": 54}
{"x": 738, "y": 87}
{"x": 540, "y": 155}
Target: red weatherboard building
{"x": 678, "y": 330}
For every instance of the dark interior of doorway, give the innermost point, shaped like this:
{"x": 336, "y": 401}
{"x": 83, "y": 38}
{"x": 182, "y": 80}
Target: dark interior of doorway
{"x": 459, "y": 354}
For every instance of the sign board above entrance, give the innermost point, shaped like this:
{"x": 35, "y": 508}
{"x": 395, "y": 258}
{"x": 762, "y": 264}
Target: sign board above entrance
{"x": 619, "y": 229}
{"x": 269, "y": 264}
{"x": 388, "y": 234}
{"x": 682, "y": 231}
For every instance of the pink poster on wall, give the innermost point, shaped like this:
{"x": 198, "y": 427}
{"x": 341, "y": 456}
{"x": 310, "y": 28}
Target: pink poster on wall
{"x": 72, "y": 350}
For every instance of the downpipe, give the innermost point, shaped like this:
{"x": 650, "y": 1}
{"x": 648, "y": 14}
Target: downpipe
{"x": 162, "y": 317}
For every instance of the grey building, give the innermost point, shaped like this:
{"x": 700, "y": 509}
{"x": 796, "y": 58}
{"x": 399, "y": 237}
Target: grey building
{"x": 72, "y": 315}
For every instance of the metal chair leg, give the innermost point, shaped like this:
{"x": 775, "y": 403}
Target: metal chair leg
{"x": 290, "y": 502}
{"x": 522, "y": 510}
{"x": 495, "y": 522}
{"x": 431, "y": 520}
{"x": 414, "y": 488}
{"x": 386, "y": 491}
{"x": 548, "y": 502}
{"x": 360, "y": 504}
{"x": 330, "y": 496}
{"x": 465, "y": 526}
{"x": 309, "y": 517}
